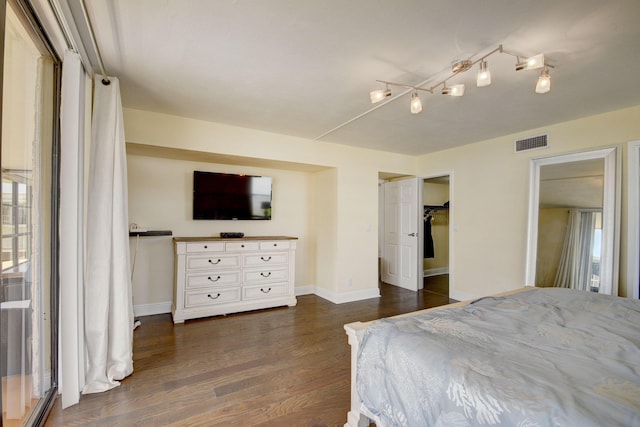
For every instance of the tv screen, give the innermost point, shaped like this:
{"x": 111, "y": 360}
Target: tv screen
{"x": 231, "y": 197}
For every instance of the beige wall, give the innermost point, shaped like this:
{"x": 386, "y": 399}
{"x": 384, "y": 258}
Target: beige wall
{"x": 338, "y": 223}
{"x": 325, "y": 219}
{"x": 491, "y": 190}
{"x": 339, "y": 238}
{"x": 160, "y": 197}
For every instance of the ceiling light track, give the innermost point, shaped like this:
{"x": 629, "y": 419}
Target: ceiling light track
{"x": 483, "y": 78}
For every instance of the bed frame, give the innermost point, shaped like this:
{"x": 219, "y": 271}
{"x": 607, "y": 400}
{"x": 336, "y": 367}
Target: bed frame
{"x": 357, "y": 416}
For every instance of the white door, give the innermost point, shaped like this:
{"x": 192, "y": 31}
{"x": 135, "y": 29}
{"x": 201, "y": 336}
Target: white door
{"x": 400, "y": 255}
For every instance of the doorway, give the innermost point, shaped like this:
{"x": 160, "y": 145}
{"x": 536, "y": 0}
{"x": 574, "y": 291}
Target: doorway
{"x": 420, "y": 262}
{"x": 436, "y": 234}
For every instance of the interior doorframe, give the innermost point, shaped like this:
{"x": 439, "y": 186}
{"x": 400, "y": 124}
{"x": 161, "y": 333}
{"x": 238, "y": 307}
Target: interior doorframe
{"x": 452, "y": 226}
{"x": 633, "y": 220}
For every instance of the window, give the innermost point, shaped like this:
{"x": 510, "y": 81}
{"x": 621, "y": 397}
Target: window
{"x": 16, "y": 219}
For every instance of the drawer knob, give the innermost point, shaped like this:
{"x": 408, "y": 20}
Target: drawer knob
{"x": 242, "y": 246}
{"x": 212, "y": 297}
{"x": 267, "y": 291}
{"x": 205, "y": 246}
{"x": 265, "y": 259}
{"x": 275, "y": 244}
{"x": 217, "y": 262}
{"x": 214, "y": 280}
{"x": 265, "y": 275}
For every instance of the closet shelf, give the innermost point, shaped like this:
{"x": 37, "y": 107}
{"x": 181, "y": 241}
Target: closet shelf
{"x": 433, "y": 208}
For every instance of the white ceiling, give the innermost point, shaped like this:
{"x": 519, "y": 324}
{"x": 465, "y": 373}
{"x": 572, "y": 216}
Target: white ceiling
{"x": 303, "y": 68}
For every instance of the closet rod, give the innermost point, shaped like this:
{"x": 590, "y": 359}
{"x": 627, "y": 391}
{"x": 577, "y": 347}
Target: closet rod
{"x": 105, "y": 79}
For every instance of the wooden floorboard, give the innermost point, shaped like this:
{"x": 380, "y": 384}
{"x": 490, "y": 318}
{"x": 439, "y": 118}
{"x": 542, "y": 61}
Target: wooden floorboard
{"x": 279, "y": 367}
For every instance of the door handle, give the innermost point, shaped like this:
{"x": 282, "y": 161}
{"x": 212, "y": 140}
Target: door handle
{"x": 412, "y": 234}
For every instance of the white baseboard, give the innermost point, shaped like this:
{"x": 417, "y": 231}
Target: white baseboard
{"x": 338, "y": 297}
{"x": 435, "y": 271}
{"x": 334, "y": 297}
{"x": 150, "y": 309}
{"x": 342, "y": 297}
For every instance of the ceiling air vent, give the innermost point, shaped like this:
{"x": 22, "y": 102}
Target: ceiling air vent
{"x": 533, "y": 143}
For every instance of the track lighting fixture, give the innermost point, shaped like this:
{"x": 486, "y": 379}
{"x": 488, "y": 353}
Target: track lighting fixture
{"x": 544, "y": 81}
{"x": 483, "y": 78}
{"x": 416, "y": 104}
{"x": 484, "y": 75}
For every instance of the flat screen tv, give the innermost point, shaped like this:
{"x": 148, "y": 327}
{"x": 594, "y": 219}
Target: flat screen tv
{"x": 224, "y": 196}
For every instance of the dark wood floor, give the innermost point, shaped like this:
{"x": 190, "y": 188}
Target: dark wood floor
{"x": 279, "y": 367}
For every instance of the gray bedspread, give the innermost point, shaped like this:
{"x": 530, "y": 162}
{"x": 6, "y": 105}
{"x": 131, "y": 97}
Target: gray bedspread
{"x": 544, "y": 357}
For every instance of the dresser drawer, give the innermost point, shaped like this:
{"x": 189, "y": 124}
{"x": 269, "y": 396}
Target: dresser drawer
{"x": 205, "y": 247}
{"x": 241, "y": 246}
{"x": 212, "y": 261}
{"x": 264, "y": 291}
{"x": 211, "y": 297}
{"x": 266, "y": 259}
{"x": 266, "y": 275}
{"x": 277, "y": 245}
{"x": 218, "y": 278}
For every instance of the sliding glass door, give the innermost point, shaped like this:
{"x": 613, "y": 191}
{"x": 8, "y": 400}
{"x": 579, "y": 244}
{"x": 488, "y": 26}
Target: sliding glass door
{"x": 28, "y": 246}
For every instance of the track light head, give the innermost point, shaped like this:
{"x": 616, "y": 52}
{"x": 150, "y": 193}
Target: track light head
{"x": 531, "y": 63}
{"x": 455, "y": 90}
{"x": 378, "y": 95}
{"x": 544, "y": 82}
{"x": 484, "y": 75}
{"x": 416, "y": 104}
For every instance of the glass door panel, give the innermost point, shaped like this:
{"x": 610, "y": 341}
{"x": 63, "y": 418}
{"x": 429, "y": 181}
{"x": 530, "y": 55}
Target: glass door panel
{"x": 26, "y": 280}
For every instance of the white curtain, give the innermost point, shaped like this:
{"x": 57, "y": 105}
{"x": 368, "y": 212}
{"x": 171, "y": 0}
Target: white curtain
{"x": 574, "y": 269}
{"x": 71, "y": 335}
{"x": 108, "y": 296}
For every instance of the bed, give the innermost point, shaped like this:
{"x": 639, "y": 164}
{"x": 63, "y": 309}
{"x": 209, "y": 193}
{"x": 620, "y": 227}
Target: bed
{"x": 536, "y": 357}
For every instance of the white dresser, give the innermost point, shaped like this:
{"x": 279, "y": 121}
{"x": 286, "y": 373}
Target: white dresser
{"x": 215, "y": 276}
